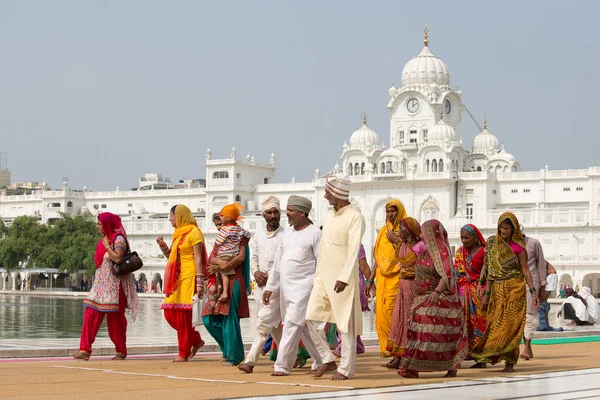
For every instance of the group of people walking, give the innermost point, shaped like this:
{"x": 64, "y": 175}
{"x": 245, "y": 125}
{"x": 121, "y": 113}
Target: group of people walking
{"x": 432, "y": 311}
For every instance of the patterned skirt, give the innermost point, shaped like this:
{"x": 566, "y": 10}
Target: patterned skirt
{"x": 475, "y": 316}
{"x": 401, "y": 318}
{"x": 505, "y": 322}
{"x": 437, "y": 339}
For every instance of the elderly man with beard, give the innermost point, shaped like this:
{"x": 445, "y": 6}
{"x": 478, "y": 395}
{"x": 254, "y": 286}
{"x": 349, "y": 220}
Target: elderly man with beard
{"x": 292, "y": 278}
{"x": 263, "y": 247}
{"x": 335, "y": 296}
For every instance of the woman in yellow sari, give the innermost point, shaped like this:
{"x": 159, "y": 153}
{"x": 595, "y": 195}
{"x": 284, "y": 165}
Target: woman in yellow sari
{"x": 184, "y": 276}
{"x": 386, "y": 272}
{"x": 506, "y": 271}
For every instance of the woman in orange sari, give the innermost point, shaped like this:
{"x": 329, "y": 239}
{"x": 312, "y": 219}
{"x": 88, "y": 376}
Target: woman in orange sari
{"x": 437, "y": 338}
{"x": 505, "y": 268}
{"x": 468, "y": 263}
{"x": 409, "y": 250}
{"x": 386, "y": 272}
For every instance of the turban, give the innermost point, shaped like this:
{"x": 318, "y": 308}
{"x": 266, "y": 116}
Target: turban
{"x": 270, "y": 202}
{"x": 338, "y": 186}
{"x": 232, "y": 211}
{"x": 298, "y": 203}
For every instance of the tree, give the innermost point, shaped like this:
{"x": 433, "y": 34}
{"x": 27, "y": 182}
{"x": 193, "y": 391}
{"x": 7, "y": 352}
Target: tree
{"x": 69, "y": 245}
{"x": 22, "y": 243}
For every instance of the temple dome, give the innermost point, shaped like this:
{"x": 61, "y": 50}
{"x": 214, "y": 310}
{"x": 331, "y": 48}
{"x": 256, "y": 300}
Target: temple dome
{"x": 425, "y": 69}
{"x": 364, "y": 136}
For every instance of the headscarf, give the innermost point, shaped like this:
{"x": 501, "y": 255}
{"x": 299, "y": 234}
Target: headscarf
{"x": 438, "y": 250}
{"x": 585, "y": 292}
{"x": 338, "y": 186}
{"x": 270, "y": 202}
{"x": 472, "y": 229}
{"x": 185, "y": 222}
{"x": 502, "y": 260}
{"x": 412, "y": 225}
{"x": 112, "y": 227}
{"x": 407, "y": 258}
{"x": 469, "y": 267}
{"x": 385, "y": 252}
{"x": 299, "y": 203}
{"x": 233, "y": 211}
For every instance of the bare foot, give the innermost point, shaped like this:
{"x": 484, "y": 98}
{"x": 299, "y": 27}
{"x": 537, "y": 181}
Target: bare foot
{"x": 222, "y": 360}
{"x": 180, "y": 359}
{"x": 394, "y": 364}
{"x": 479, "y": 365}
{"x": 508, "y": 368}
{"x": 246, "y": 368}
{"x": 408, "y": 374}
{"x": 279, "y": 373}
{"x": 82, "y": 355}
{"x": 226, "y": 364}
{"x": 196, "y": 348}
{"x": 338, "y": 377}
{"x": 451, "y": 374}
{"x": 119, "y": 357}
{"x": 525, "y": 356}
{"x": 330, "y": 366}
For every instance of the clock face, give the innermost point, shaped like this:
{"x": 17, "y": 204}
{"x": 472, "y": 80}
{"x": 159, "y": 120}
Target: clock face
{"x": 412, "y": 105}
{"x": 447, "y": 106}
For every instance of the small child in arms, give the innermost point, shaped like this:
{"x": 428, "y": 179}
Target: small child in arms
{"x": 228, "y": 245}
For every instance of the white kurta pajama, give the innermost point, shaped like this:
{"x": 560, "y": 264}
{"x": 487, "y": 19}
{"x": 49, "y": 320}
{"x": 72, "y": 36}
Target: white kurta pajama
{"x": 292, "y": 278}
{"x": 263, "y": 247}
{"x": 338, "y": 261}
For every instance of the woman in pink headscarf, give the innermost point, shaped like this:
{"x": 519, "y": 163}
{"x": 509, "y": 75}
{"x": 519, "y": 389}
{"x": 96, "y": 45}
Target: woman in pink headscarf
{"x": 110, "y": 294}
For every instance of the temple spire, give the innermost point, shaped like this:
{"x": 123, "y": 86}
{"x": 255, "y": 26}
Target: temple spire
{"x": 426, "y": 36}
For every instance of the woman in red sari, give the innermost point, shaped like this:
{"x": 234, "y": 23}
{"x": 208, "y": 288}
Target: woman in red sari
{"x": 468, "y": 263}
{"x": 437, "y": 338}
{"x": 408, "y": 252}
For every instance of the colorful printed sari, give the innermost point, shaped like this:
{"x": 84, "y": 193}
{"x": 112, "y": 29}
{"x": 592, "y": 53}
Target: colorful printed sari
{"x": 387, "y": 278}
{"x": 437, "y": 339}
{"x": 505, "y": 319}
{"x": 468, "y": 269}
{"x": 407, "y": 259}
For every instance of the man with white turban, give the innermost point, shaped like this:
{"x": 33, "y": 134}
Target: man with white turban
{"x": 335, "y": 295}
{"x": 263, "y": 246}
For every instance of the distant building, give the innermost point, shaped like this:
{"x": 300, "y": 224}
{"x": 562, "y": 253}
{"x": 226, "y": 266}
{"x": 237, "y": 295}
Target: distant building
{"x": 427, "y": 167}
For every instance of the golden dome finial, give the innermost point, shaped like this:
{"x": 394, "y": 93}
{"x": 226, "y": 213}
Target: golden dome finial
{"x": 441, "y": 113}
{"x": 364, "y": 117}
{"x": 426, "y": 39}
{"x": 485, "y": 121}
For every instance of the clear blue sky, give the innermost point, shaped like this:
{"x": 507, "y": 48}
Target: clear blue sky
{"x": 84, "y": 84}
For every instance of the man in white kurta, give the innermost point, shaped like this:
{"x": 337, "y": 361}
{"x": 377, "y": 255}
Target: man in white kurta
{"x": 292, "y": 278}
{"x": 263, "y": 246}
{"x": 335, "y": 296}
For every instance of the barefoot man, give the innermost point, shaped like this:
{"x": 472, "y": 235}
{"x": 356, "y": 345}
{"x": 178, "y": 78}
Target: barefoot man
{"x": 263, "y": 246}
{"x": 537, "y": 265}
{"x": 292, "y": 280}
{"x": 335, "y": 296}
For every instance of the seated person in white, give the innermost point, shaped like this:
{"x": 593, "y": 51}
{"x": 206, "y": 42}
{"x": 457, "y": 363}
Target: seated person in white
{"x": 593, "y": 308}
{"x": 575, "y": 308}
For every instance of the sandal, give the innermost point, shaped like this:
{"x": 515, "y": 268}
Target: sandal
{"x": 119, "y": 356}
{"x": 82, "y": 355}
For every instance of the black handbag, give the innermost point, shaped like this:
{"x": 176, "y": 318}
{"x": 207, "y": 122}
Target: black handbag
{"x": 131, "y": 262}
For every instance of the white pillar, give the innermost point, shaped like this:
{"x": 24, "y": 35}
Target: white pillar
{"x": 2, "y": 281}
{"x": 14, "y": 281}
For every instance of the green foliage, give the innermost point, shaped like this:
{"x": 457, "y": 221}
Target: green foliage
{"x": 69, "y": 245}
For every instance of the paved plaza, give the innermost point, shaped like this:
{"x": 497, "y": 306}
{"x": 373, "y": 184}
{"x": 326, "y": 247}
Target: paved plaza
{"x": 567, "y": 370}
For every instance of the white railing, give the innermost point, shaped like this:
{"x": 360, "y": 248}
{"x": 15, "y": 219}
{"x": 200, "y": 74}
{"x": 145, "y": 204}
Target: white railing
{"x": 518, "y": 176}
{"x": 541, "y": 217}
